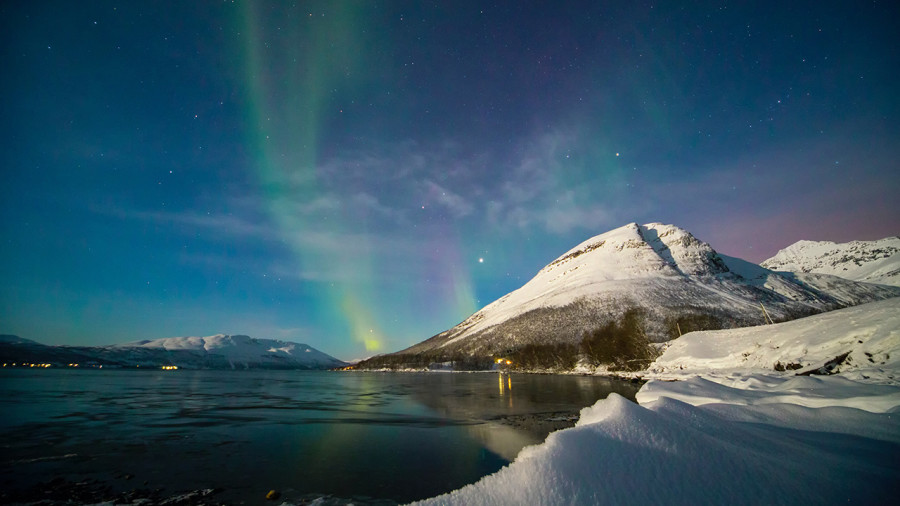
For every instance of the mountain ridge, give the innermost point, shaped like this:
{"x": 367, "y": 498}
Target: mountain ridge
{"x": 677, "y": 281}
{"x": 220, "y": 351}
{"x": 869, "y": 261}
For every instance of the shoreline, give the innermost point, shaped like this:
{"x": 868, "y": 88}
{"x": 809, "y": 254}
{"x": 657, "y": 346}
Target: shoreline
{"x": 632, "y": 377}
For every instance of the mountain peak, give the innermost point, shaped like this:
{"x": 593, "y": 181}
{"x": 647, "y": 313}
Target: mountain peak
{"x": 682, "y": 251}
{"x": 660, "y": 270}
{"x": 641, "y": 250}
{"x": 869, "y": 261}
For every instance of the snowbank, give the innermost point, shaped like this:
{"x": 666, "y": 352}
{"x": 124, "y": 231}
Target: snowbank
{"x": 869, "y": 336}
{"x": 758, "y": 389}
{"x": 744, "y": 434}
{"x": 740, "y": 452}
{"x": 673, "y": 452}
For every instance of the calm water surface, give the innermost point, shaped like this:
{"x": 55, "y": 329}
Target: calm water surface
{"x": 396, "y": 436}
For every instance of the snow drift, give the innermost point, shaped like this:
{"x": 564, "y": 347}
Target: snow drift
{"x": 671, "y": 452}
{"x": 745, "y": 434}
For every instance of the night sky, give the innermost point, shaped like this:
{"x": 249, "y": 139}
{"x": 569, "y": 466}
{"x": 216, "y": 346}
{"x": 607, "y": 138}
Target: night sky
{"x": 359, "y": 176}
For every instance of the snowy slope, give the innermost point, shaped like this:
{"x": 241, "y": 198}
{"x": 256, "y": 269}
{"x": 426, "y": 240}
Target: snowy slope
{"x": 869, "y": 261}
{"x": 868, "y": 336}
{"x": 661, "y": 269}
{"x": 732, "y": 430}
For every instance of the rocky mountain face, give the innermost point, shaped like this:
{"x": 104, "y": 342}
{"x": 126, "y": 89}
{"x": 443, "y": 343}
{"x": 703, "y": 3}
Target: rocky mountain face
{"x": 212, "y": 352}
{"x": 869, "y": 261}
{"x": 676, "y": 282}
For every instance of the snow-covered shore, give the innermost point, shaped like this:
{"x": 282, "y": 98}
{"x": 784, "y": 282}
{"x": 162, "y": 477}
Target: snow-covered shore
{"x": 733, "y": 429}
{"x": 861, "y": 342}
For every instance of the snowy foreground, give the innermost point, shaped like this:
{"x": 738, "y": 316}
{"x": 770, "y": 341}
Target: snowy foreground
{"x": 733, "y": 430}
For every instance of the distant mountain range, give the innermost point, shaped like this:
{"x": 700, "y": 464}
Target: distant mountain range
{"x": 677, "y": 282}
{"x": 213, "y": 352}
{"x": 869, "y": 261}
{"x": 672, "y": 280}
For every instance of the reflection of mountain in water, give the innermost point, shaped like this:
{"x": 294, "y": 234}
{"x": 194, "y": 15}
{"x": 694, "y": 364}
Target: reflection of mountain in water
{"x": 513, "y": 411}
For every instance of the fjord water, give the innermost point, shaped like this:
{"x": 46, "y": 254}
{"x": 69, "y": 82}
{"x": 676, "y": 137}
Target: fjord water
{"x": 396, "y": 436}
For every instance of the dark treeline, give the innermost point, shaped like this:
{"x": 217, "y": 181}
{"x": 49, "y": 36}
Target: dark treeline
{"x": 622, "y": 345}
{"x": 559, "y": 356}
{"x": 427, "y": 360}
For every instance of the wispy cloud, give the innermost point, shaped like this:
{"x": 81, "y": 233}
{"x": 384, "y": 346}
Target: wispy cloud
{"x": 222, "y": 224}
{"x": 537, "y": 192}
{"x": 362, "y": 217}
{"x": 458, "y": 205}
{"x": 567, "y": 214}
{"x": 540, "y": 182}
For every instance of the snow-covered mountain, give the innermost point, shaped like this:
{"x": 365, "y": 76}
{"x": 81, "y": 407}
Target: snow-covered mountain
{"x": 240, "y": 351}
{"x": 679, "y": 282}
{"x": 213, "y": 352}
{"x": 869, "y": 261}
